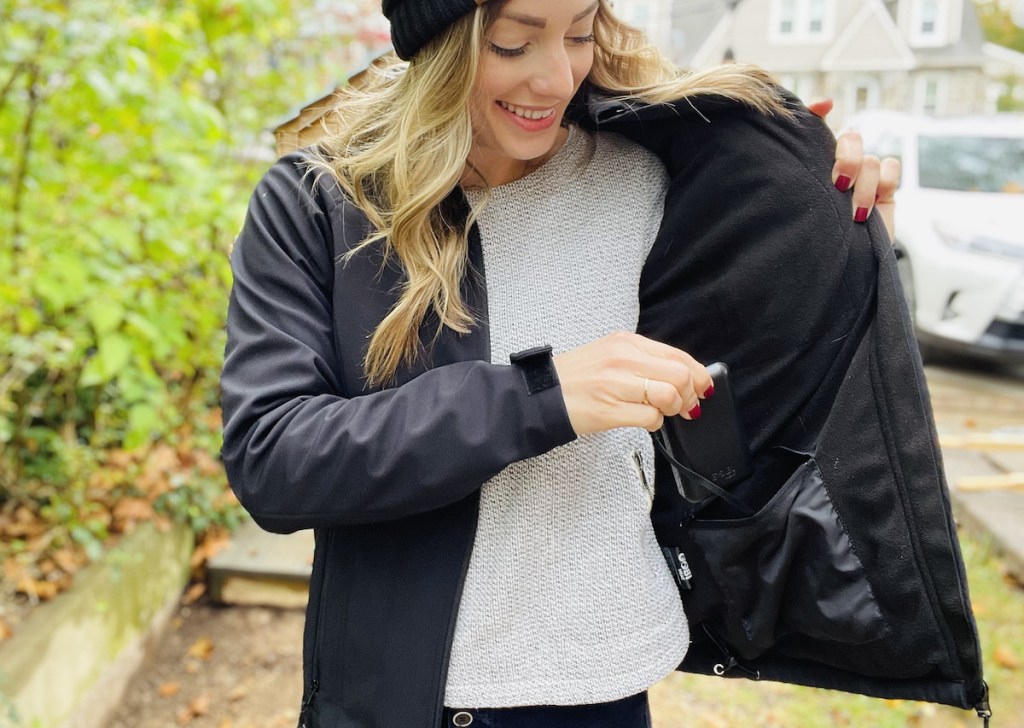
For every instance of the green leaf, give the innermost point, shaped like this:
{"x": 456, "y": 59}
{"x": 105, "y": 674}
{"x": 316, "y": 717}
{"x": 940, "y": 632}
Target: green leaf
{"x": 105, "y": 315}
{"x": 143, "y": 422}
{"x": 111, "y": 357}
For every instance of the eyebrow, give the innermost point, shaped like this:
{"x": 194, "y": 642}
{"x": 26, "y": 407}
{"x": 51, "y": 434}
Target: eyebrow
{"x": 535, "y": 22}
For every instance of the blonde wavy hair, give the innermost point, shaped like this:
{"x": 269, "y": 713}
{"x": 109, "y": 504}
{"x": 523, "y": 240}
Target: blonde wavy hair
{"x": 399, "y": 143}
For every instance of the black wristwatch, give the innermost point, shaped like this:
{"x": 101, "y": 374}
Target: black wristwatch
{"x": 537, "y": 367}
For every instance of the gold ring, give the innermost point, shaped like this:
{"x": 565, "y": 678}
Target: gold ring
{"x": 647, "y": 383}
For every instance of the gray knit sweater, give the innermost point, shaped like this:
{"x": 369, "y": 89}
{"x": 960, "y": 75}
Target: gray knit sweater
{"x": 568, "y": 599}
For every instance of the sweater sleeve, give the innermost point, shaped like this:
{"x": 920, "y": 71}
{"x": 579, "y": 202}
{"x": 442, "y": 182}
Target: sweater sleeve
{"x": 298, "y": 453}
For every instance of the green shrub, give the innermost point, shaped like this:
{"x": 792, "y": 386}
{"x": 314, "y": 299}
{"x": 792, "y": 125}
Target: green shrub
{"x": 123, "y": 180}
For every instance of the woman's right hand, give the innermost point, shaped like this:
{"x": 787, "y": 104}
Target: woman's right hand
{"x": 605, "y": 383}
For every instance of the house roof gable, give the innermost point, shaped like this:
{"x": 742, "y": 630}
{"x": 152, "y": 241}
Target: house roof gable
{"x": 871, "y": 41}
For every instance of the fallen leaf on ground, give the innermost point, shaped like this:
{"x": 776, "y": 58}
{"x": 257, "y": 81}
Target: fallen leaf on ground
{"x": 197, "y": 708}
{"x": 238, "y": 692}
{"x": 68, "y": 560}
{"x": 202, "y": 648}
{"x": 5, "y": 630}
{"x": 215, "y": 541}
{"x": 193, "y": 593}
{"x": 130, "y": 510}
{"x": 1005, "y": 658}
{"x": 206, "y": 463}
{"x": 44, "y": 590}
{"x": 169, "y": 689}
{"x": 200, "y": 705}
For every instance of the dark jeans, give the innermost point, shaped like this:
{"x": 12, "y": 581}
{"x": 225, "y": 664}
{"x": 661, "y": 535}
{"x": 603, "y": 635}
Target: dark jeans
{"x": 630, "y": 712}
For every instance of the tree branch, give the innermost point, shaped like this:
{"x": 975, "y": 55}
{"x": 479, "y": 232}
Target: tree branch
{"x": 21, "y": 168}
{"x": 18, "y": 68}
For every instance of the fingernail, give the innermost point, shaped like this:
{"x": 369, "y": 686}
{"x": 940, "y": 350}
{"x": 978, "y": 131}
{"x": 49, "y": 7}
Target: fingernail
{"x": 695, "y": 413}
{"x": 862, "y": 214}
{"x": 843, "y": 183}
{"x": 709, "y": 391}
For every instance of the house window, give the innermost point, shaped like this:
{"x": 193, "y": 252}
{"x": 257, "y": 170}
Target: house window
{"x": 816, "y": 17}
{"x": 800, "y": 21}
{"x": 862, "y": 94}
{"x": 802, "y": 85}
{"x": 787, "y": 17}
{"x": 931, "y": 95}
{"x": 929, "y": 16}
{"x": 929, "y": 22}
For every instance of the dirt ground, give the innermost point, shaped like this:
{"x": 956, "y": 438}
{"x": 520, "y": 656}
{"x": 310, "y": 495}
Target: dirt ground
{"x": 241, "y": 667}
{"x": 217, "y": 667}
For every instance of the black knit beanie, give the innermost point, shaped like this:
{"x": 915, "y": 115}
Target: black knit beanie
{"x": 414, "y": 23}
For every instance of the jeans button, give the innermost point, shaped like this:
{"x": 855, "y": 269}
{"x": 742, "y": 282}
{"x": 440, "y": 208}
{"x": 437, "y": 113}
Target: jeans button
{"x": 462, "y": 719}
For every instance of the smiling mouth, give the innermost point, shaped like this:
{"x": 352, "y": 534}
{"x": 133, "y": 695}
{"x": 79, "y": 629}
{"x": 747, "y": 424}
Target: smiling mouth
{"x": 531, "y": 114}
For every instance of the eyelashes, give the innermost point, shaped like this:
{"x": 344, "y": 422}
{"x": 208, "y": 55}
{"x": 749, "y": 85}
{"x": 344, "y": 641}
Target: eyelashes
{"x": 516, "y": 52}
{"x": 506, "y": 52}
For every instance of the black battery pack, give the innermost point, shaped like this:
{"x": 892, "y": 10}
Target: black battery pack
{"x": 713, "y": 445}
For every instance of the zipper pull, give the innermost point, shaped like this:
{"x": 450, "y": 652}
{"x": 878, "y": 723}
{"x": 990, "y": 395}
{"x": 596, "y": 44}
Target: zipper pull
{"x": 731, "y": 663}
{"x": 679, "y": 566}
{"x": 983, "y": 708}
{"x": 307, "y": 702}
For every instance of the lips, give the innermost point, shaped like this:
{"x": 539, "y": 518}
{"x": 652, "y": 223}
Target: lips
{"x": 528, "y": 119}
{"x": 525, "y": 113}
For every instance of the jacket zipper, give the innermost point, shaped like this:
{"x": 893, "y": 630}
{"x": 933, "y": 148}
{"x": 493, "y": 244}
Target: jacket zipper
{"x": 730, "y": 662}
{"x": 454, "y": 612}
{"x": 477, "y": 260}
{"x": 638, "y": 463}
{"x": 949, "y": 631}
{"x": 314, "y": 684}
{"x": 983, "y": 708}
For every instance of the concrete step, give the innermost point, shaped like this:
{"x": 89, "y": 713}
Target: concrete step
{"x": 260, "y": 568}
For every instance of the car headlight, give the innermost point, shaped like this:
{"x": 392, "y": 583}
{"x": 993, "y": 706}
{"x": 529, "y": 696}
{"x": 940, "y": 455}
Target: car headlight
{"x": 965, "y": 240}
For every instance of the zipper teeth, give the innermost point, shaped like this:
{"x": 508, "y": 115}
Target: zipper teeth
{"x": 948, "y": 630}
{"x": 638, "y": 461}
{"x": 439, "y": 704}
{"x": 318, "y": 633}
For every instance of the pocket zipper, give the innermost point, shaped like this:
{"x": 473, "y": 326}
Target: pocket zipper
{"x": 638, "y": 463}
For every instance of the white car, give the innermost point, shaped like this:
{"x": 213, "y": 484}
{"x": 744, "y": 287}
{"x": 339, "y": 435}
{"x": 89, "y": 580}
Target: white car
{"x": 959, "y": 227}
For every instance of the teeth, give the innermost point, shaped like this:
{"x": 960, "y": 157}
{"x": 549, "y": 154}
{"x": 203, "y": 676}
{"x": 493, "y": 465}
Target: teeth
{"x": 527, "y": 113}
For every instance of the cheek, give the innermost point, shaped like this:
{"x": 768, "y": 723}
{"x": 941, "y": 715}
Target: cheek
{"x": 582, "y": 66}
{"x": 491, "y": 81}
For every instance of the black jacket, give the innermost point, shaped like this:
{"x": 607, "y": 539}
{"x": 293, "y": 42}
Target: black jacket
{"x": 757, "y": 264}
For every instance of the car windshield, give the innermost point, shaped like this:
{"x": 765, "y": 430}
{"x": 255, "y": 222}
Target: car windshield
{"x": 972, "y": 164}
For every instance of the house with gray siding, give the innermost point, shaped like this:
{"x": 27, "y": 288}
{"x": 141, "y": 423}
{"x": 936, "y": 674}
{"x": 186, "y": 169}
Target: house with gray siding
{"x": 923, "y": 56}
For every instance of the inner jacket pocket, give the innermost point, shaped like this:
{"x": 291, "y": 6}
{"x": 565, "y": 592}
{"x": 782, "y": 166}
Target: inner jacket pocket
{"x": 789, "y": 569}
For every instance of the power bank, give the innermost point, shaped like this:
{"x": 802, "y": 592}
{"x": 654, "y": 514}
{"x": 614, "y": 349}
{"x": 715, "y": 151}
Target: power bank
{"x": 713, "y": 445}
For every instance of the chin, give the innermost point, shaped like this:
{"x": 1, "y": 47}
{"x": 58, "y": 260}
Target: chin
{"x": 526, "y": 149}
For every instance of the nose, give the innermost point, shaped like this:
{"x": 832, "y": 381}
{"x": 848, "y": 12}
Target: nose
{"x": 552, "y": 77}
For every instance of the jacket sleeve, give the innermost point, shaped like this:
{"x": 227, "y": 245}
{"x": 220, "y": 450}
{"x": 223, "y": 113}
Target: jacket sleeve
{"x": 297, "y": 452}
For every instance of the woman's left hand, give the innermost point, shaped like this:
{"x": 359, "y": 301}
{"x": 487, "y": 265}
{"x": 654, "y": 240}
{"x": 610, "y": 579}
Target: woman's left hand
{"x": 873, "y": 181}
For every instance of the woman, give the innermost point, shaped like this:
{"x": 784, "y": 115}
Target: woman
{"x": 484, "y": 545}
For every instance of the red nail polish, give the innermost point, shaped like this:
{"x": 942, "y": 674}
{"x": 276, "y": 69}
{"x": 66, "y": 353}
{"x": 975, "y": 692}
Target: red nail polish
{"x": 862, "y": 214}
{"x": 709, "y": 391}
{"x": 843, "y": 183}
{"x": 694, "y": 413}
